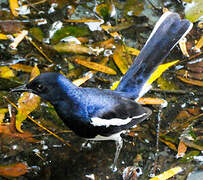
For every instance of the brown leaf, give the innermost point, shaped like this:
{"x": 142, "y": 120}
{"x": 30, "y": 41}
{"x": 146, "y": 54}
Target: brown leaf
{"x": 182, "y": 148}
{"x": 191, "y": 81}
{"x": 13, "y": 170}
{"x": 11, "y": 27}
{"x": 120, "y": 59}
{"x": 149, "y": 100}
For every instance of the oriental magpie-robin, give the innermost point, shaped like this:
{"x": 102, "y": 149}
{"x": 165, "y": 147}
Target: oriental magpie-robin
{"x": 97, "y": 114}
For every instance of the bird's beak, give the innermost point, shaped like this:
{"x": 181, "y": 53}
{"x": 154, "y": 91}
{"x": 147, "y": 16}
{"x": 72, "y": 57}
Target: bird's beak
{"x": 22, "y": 88}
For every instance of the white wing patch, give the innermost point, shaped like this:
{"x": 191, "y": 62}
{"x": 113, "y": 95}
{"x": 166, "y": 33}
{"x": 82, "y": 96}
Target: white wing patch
{"x": 96, "y": 121}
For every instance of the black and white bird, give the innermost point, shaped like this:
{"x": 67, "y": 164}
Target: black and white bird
{"x": 97, "y": 114}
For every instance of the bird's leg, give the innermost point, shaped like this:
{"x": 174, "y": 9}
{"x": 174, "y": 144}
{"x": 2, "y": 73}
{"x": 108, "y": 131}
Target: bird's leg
{"x": 119, "y": 145}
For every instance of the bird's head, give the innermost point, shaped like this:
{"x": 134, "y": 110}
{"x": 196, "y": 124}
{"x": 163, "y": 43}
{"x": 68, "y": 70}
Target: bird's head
{"x": 50, "y": 86}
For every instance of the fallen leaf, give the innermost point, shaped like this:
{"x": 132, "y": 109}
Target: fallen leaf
{"x": 95, "y": 66}
{"x": 182, "y": 148}
{"x": 34, "y": 73}
{"x": 132, "y": 51}
{"x": 3, "y": 36}
{"x": 152, "y": 101}
{"x": 120, "y": 59}
{"x": 191, "y": 81}
{"x": 21, "y": 67}
{"x": 158, "y": 72}
{"x": 199, "y": 44}
{"x": 13, "y": 170}
{"x": 2, "y": 114}
{"x": 13, "y": 6}
{"x": 169, "y": 144}
{"x": 113, "y": 34}
{"x": 168, "y": 174}
{"x": 72, "y": 48}
{"x": 27, "y": 103}
{"x": 6, "y": 72}
{"x": 82, "y": 80}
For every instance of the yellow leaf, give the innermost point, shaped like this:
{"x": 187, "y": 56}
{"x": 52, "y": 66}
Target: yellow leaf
{"x": 113, "y": 34}
{"x": 120, "y": 59}
{"x": 95, "y": 66}
{"x": 72, "y": 48}
{"x": 158, "y": 72}
{"x": 199, "y": 44}
{"x": 3, "y": 36}
{"x": 132, "y": 51}
{"x": 22, "y": 67}
{"x": 13, "y": 6}
{"x": 80, "y": 81}
{"x": 35, "y": 72}
{"x": 169, "y": 144}
{"x": 168, "y": 174}
{"x": 2, "y": 114}
{"x": 27, "y": 103}
{"x": 114, "y": 85}
{"x": 6, "y": 72}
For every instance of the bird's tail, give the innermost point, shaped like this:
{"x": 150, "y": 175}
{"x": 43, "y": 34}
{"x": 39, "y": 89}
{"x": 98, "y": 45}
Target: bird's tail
{"x": 165, "y": 35}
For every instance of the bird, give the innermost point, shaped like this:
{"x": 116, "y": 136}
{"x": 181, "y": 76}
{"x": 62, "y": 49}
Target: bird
{"x": 103, "y": 114}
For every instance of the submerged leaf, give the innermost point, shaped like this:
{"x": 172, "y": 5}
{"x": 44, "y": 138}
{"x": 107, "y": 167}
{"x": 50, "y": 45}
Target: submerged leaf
{"x": 120, "y": 59}
{"x": 194, "y": 10}
{"x": 6, "y": 72}
{"x": 27, "y": 103}
{"x": 152, "y": 101}
{"x": 199, "y": 44}
{"x": 2, "y": 114}
{"x": 95, "y": 66}
{"x": 168, "y": 143}
{"x": 69, "y": 31}
{"x": 72, "y": 48}
{"x": 133, "y": 7}
{"x": 21, "y": 67}
{"x": 182, "y": 148}
{"x": 37, "y": 33}
{"x": 13, "y": 170}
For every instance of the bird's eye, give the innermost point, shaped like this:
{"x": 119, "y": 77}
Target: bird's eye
{"x": 40, "y": 88}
